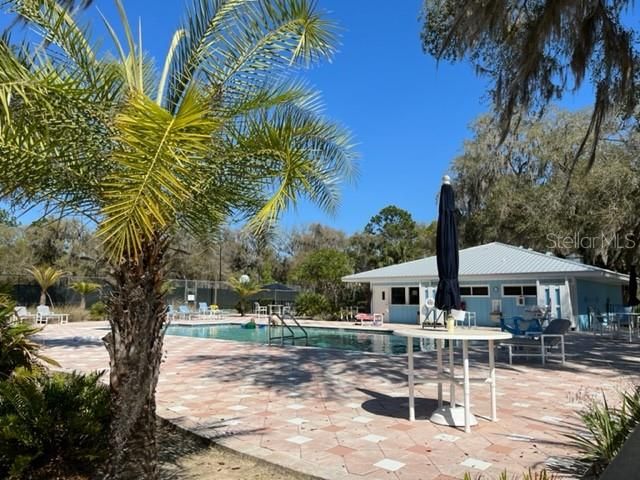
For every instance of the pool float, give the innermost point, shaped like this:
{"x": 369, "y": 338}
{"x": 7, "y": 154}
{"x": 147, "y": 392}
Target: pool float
{"x": 251, "y": 324}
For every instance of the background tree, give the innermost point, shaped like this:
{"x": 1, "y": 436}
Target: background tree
{"x": 45, "y": 277}
{"x": 83, "y": 289}
{"x": 322, "y": 272}
{"x": 222, "y": 130}
{"x": 16, "y": 254}
{"x": 389, "y": 238}
{"x": 533, "y": 51}
{"x": 297, "y": 244}
{"x": 549, "y": 208}
{"x": 7, "y": 219}
{"x": 67, "y": 244}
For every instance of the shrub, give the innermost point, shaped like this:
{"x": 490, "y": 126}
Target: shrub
{"x": 17, "y": 350}
{"x": 312, "y": 304}
{"x": 52, "y": 426}
{"x": 98, "y": 311}
{"x": 607, "y": 429}
{"x": 76, "y": 314}
{"x": 529, "y": 475}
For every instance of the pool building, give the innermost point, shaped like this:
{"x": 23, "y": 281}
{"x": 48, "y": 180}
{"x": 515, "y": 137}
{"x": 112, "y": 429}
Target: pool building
{"x": 496, "y": 280}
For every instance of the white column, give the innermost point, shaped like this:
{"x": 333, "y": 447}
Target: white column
{"x": 412, "y": 409}
{"x": 467, "y": 393}
{"x": 492, "y": 377}
{"x": 439, "y": 345}
{"x": 452, "y": 371}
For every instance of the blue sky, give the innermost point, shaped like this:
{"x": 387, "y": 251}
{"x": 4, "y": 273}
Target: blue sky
{"x": 408, "y": 115}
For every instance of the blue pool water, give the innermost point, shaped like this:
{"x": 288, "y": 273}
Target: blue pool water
{"x": 343, "y": 339}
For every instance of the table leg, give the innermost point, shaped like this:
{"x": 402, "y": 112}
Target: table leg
{"x": 439, "y": 343}
{"x": 412, "y": 409}
{"x": 452, "y": 369}
{"x": 492, "y": 376}
{"x": 467, "y": 393}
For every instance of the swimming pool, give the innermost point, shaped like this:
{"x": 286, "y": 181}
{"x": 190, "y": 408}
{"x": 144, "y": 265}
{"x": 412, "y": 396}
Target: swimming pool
{"x": 340, "y": 338}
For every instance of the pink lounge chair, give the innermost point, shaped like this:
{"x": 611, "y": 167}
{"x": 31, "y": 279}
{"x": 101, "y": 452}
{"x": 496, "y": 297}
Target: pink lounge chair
{"x": 374, "y": 318}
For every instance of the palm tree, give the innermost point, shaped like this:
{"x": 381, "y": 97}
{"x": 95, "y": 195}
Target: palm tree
{"x": 46, "y": 277}
{"x": 83, "y": 289}
{"x": 222, "y": 130}
{"x": 244, "y": 289}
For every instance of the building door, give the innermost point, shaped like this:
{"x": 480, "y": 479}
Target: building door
{"x": 380, "y": 301}
{"x": 558, "y": 298}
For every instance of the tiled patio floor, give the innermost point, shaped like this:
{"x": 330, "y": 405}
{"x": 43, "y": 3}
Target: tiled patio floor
{"x": 337, "y": 414}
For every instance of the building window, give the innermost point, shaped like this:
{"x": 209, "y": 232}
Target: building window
{"x": 519, "y": 291}
{"x": 398, "y": 296}
{"x": 414, "y": 296}
{"x": 474, "y": 291}
{"x": 384, "y": 295}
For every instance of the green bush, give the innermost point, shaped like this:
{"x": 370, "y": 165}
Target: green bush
{"x": 17, "y": 350}
{"x": 98, "y": 311}
{"x": 607, "y": 429}
{"x": 312, "y": 304}
{"x": 52, "y": 426}
{"x": 529, "y": 475}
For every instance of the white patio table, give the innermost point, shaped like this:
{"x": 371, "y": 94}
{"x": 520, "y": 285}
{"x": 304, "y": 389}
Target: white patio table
{"x": 449, "y": 415}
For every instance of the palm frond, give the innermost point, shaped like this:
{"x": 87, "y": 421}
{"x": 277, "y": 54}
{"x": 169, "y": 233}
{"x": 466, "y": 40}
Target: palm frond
{"x": 57, "y": 26}
{"x": 295, "y": 153}
{"x": 156, "y": 173}
{"x": 234, "y": 45}
{"x": 46, "y": 277}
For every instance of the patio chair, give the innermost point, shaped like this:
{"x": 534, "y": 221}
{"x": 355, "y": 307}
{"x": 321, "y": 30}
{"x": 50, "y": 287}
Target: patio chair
{"x": 260, "y": 310}
{"x": 601, "y": 323}
{"x": 520, "y": 327}
{"x": 184, "y": 312}
{"x": 540, "y": 345}
{"x": 375, "y": 319}
{"x": 44, "y": 314}
{"x": 471, "y": 317}
{"x": 203, "y": 308}
{"x": 21, "y": 314}
{"x": 458, "y": 316}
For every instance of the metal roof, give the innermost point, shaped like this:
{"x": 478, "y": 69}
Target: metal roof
{"x": 492, "y": 259}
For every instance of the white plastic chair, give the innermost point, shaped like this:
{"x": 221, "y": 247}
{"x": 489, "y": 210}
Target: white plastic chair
{"x": 20, "y": 314}
{"x": 259, "y": 310}
{"x": 44, "y": 314}
{"x": 471, "y": 317}
{"x": 459, "y": 316}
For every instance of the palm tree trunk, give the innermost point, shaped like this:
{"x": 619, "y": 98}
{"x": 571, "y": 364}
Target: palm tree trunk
{"x": 83, "y": 302}
{"x": 43, "y": 297}
{"x": 137, "y": 312}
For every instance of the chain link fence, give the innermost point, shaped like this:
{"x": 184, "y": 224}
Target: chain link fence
{"x": 26, "y": 292}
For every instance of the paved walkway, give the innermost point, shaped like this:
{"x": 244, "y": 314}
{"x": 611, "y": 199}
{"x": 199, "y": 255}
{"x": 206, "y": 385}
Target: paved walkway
{"x": 338, "y": 415}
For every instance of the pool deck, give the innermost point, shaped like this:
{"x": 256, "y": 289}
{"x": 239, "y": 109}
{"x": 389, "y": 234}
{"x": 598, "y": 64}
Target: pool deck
{"x": 343, "y": 415}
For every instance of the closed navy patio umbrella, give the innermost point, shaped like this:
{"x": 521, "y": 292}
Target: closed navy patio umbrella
{"x": 448, "y": 293}
{"x": 633, "y": 287}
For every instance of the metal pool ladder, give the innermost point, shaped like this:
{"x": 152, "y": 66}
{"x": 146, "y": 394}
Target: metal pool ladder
{"x": 277, "y": 332}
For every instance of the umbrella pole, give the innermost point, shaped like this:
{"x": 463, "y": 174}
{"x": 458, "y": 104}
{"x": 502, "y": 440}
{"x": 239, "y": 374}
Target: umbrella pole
{"x": 452, "y": 374}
